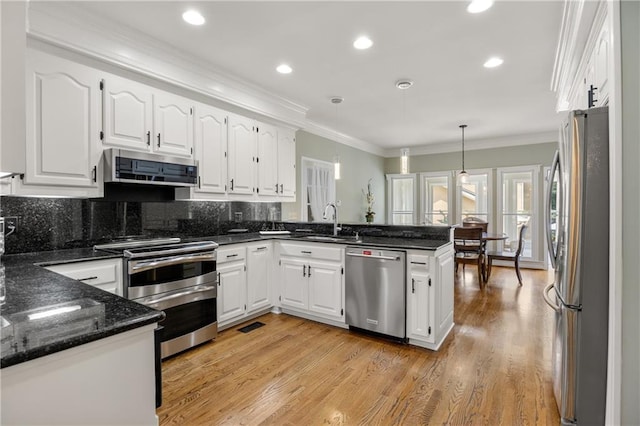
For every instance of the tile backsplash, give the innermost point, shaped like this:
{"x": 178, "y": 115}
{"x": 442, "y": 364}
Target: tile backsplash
{"x": 57, "y": 223}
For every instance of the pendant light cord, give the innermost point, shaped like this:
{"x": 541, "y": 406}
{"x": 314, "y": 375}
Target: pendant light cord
{"x": 462, "y": 126}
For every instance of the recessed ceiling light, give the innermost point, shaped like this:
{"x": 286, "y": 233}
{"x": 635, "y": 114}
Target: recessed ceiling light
{"x": 193, "y": 17}
{"x": 493, "y": 62}
{"x": 404, "y": 84}
{"x": 284, "y": 69}
{"x": 362, "y": 43}
{"x": 477, "y": 6}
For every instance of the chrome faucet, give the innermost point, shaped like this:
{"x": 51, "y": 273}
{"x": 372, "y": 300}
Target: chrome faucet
{"x": 336, "y": 228}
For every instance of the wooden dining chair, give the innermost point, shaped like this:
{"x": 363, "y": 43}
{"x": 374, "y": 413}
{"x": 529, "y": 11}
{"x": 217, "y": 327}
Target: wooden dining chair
{"x": 513, "y": 256}
{"x": 467, "y": 242}
{"x": 475, "y": 221}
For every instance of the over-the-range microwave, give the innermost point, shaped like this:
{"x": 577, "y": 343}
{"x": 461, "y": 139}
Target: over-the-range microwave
{"x": 125, "y": 166}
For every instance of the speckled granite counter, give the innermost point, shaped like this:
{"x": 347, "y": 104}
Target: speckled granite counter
{"x": 30, "y": 287}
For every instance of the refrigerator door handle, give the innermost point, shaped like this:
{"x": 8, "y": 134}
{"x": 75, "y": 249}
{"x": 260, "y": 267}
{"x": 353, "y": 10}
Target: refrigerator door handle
{"x": 553, "y": 251}
{"x": 545, "y": 294}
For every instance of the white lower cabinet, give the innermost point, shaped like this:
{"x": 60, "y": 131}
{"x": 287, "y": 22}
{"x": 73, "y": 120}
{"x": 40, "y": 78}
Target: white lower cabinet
{"x": 429, "y": 296}
{"x": 105, "y": 274}
{"x": 244, "y": 282}
{"x": 312, "y": 281}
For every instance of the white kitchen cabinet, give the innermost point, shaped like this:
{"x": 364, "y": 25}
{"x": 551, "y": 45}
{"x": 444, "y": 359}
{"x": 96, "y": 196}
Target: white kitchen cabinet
{"x": 232, "y": 284}
{"x": 259, "y": 265}
{"x": 287, "y": 164}
{"x": 127, "y": 109}
{"x": 420, "y": 306}
{"x": 277, "y": 162}
{"x": 105, "y": 274}
{"x": 312, "y": 281}
{"x": 267, "y": 160}
{"x": 241, "y": 155}
{"x": 211, "y": 149}
{"x": 429, "y": 296}
{"x": 173, "y": 123}
{"x": 142, "y": 118}
{"x": 601, "y": 57}
{"x": 62, "y": 137}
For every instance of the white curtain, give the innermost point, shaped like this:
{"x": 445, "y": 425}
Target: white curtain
{"x": 320, "y": 189}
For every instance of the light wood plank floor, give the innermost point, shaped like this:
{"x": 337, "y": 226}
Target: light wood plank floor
{"x": 494, "y": 368}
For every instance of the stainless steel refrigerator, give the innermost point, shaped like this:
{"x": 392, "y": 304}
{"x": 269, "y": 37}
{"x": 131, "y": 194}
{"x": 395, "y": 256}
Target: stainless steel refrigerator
{"x": 579, "y": 252}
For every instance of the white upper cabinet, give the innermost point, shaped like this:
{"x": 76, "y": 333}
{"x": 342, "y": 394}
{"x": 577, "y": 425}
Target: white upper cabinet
{"x": 63, "y": 113}
{"x": 601, "y": 58}
{"x": 173, "y": 119}
{"x": 267, "y": 159}
{"x": 142, "y": 118}
{"x": 211, "y": 149}
{"x": 241, "y": 155}
{"x": 127, "y": 109}
{"x": 286, "y": 163}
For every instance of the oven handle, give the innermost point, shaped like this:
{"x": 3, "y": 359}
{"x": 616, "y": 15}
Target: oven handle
{"x": 145, "y": 265}
{"x": 179, "y": 298}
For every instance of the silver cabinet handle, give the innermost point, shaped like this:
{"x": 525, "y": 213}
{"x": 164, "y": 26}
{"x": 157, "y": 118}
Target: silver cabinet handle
{"x": 413, "y": 285}
{"x": 276, "y": 188}
{"x": 281, "y": 188}
{"x": 545, "y": 294}
{"x": 262, "y": 248}
{"x": 305, "y": 252}
{"x": 374, "y": 257}
{"x": 148, "y": 138}
{"x": 232, "y": 184}
{"x": 232, "y": 255}
{"x": 304, "y": 270}
{"x": 418, "y": 263}
{"x": 87, "y": 279}
{"x": 309, "y": 270}
{"x": 158, "y": 140}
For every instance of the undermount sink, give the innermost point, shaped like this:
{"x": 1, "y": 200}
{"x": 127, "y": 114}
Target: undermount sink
{"x": 325, "y": 238}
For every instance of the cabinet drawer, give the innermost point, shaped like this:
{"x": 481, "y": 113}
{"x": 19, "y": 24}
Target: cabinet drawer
{"x": 232, "y": 254}
{"x": 104, "y": 274}
{"x": 419, "y": 261}
{"x": 315, "y": 251}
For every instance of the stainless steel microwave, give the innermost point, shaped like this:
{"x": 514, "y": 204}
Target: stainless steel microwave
{"x": 124, "y": 166}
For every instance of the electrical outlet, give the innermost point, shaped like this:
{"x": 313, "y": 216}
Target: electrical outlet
{"x": 10, "y": 225}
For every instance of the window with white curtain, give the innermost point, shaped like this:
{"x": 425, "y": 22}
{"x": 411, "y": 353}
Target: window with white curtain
{"x": 517, "y": 204}
{"x": 401, "y": 199}
{"x": 436, "y": 198}
{"x": 473, "y": 199}
{"x": 319, "y": 188}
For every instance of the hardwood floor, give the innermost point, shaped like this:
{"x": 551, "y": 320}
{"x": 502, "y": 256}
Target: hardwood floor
{"x": 494, "y": 368}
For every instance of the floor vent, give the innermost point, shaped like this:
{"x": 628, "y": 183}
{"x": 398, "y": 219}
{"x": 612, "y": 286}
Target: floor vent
{"x": 251, "y": 327}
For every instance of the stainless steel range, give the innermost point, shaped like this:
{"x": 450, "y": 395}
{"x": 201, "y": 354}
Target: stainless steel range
{"x": 177, "y": 278}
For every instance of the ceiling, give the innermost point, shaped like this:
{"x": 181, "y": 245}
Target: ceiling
{"x": 437, "y": 44}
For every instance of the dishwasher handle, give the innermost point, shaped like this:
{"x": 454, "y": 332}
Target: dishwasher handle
{"x": 374, "y": 257}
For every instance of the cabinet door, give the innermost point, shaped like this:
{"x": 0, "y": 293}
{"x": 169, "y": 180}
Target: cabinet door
{"x": 231, "y": 297}
{"x": 267, "y": 160}
{"x": 325, "y": 289}
{"x": 63, "y": 104}
{"x": 104, "y": 274}
{"x": 127, "y": 109}
{"x": 259, "y": 277}
{"x": 294, "y": 283}
{"x": 601, "y": 59}
{"x": 287, "y": 163}
{"x": 242, "y": 148}
{"x": 211, "y": 148}
{"x": 421, "y": 306}
{"x": 445, "y": 266}
{"x": 173, "y": 118}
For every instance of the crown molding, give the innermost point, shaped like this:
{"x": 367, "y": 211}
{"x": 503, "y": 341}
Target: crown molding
{"x": 73, "y": 28}
{"x": 473, "y": 145}
{"x": 326, "y": 132}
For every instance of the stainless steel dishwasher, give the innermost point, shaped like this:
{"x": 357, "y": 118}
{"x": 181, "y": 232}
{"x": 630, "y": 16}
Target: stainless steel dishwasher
{"x": 375, "y": 290}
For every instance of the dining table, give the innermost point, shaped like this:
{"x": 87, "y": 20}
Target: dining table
{"x": 489, "y": 236}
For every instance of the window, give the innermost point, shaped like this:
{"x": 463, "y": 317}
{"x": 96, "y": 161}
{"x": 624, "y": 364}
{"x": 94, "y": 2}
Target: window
{"x": 319, "y": 188}
{"x": 474, "y": 197}
{"x": 435, "y": 196}
{"x": 401, "y": 193}
{"x": 517, "y": 204}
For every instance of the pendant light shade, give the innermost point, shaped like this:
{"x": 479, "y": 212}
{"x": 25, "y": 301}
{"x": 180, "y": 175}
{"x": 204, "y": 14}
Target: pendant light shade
{"x": 404, "y": 161}
{"x": 463, "y": 176}
{"x": 336, "y": 100}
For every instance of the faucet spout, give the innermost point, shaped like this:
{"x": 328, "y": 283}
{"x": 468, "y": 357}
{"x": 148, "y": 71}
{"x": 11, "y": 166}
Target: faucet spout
{"x": 335, "y": 217}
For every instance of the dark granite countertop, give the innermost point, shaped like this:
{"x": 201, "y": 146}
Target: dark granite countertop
{"x": 29, "y": 286}
{"x": 30, "y": 289}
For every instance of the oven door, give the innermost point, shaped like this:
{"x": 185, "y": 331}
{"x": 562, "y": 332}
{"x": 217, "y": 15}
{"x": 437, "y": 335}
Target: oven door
{"x": 152, "y": 276}
{"x": 191, "y": 317}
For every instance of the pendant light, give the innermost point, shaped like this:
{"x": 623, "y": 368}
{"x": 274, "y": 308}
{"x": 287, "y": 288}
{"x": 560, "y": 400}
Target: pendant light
{"x": 463, "y": 176}
{"x": 336, "y": 100}
{"x": 403, "y": 85}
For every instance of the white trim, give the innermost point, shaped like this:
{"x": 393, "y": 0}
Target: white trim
{"x": 326, "y": 132}
{"x": 490, "y": 199}
{"x": 390, "y": 177}
{"x": 72, "y": 27}
{"x": 498, "y": 142}
{"x": 422, "y": 210}
{"x": 304, "y": 163}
